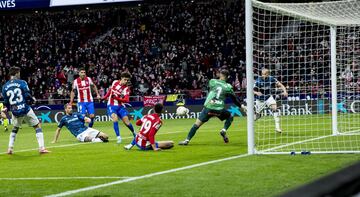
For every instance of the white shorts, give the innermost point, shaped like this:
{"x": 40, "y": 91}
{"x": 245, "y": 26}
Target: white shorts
{"x": 260, "y": 105}
{"x": 89, "y": 132}
{"x": 30, "y": 118}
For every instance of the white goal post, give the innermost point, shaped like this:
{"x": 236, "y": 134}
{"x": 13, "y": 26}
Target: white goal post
{"x": 313, "y": 49}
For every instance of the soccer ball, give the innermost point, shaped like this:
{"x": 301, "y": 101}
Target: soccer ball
{"x": 182, "y": 111}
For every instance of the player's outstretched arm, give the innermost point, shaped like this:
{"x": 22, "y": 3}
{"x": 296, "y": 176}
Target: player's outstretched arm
{"x": 283, "y": 88}
{"x": 154, "y": 147}
{"x": 72, "y": 96}
{"x": 139, "y": 122}
{"x": 125, "y": 99}
{"x": 152, "y": 134}
{"x": 107, "y": 94}
{"x": 96, "y": 91}
{"x": 57, "y": 134}
{"x": 235, "y": 99}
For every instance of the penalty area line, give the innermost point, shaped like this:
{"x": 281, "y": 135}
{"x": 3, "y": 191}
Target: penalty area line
{"x": 66, "y": 193}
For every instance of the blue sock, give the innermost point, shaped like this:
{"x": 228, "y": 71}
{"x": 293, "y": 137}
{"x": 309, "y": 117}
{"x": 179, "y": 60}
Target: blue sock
{"x": 116, "y": 128}
{"x": 131, "y": 129}
{"x": 133, "y": 142}
{"x": 92, "y": 122}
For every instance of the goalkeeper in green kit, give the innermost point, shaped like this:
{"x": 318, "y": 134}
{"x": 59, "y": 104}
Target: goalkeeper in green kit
{"x": 214, "y": 106}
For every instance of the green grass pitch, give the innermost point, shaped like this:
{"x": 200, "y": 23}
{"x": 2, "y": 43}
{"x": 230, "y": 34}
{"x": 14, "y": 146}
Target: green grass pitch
{"x": 72, "y": 165}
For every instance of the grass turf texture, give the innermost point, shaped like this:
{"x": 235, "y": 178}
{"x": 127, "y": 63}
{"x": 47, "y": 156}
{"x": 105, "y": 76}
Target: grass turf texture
{"x": 263, "y": 175}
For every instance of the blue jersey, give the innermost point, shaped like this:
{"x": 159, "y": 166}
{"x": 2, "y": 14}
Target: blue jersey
{"x": 16, "y": 93}
{"x": 266, "y": 86}
{"x": 74, "y": 122}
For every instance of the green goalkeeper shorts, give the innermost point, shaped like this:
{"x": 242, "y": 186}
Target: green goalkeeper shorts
{"x": 206, "y": 114}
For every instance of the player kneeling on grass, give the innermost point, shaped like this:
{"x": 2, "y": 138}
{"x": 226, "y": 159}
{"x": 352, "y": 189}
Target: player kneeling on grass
{"x": 75, "y": 122}
{"x": 150, "y": 124}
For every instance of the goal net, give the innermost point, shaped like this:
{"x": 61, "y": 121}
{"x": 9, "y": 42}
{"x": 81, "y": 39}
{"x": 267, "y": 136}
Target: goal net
{"x": 313, "y": 49}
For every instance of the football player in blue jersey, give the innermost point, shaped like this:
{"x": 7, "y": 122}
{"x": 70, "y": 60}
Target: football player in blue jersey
{"x": 17, "y": 96}
{"x": 75, "y": 123}
{"x": 264, "y": 90}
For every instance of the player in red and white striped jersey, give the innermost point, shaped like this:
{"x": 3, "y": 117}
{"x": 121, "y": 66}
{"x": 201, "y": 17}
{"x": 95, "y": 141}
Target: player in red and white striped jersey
{"x": 82, "y": 85}
{"x": 150, "y": 125}
{"x": 117, "y": 95}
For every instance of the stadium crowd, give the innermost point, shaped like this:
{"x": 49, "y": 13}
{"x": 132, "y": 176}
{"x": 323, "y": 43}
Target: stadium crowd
{"x": 168, "y": 48}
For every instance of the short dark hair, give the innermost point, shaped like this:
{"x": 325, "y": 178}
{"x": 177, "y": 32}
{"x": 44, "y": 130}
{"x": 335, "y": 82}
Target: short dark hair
{"x": 158, "y": 108}
{"x": 125, "y": 75}
{"x": 14, "y": 70}
{"x": 82, "y": 68}
{"x": 67, "y": 104}
{"x": 225, "y": 73}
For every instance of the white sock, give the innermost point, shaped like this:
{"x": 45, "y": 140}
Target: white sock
{"x": 40, "y": 139}
{"x": 12, "y": 139}
{"x": 277, "y": 120}
{"x": 96, "y": 140}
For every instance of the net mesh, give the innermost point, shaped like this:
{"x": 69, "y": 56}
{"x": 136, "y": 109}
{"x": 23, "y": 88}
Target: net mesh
{"x": 293, "y": 42}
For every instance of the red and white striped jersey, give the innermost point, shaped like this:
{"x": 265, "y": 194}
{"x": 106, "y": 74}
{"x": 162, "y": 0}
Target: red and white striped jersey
{"x": 117, "y": 94}
{"x": 83, "y": 88}
{"x": 150, "y": 124}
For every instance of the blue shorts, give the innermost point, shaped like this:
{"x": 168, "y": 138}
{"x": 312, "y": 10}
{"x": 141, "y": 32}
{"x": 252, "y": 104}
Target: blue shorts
{"x": 120, "y": 111}
{"x": 84, "y": 107}
{"x": 147, "y": 147}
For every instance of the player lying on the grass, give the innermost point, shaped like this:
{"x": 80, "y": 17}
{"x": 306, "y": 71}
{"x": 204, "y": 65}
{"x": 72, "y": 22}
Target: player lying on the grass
{"x": 75, "y": 123}
{"x": 150, "y": 125}
{"x": 214, "y": 106}
{"x": 264, "y": 89}
{"x": 3, "y": 116}
{"x": 16, "y": 94}
{"x": 117, "y": 95}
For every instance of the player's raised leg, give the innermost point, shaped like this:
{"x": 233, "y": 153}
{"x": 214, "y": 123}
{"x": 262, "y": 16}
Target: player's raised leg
{"x": 259, "y": 107}
{"x": 127, "y": 122}
{"x": 276, "y": 115}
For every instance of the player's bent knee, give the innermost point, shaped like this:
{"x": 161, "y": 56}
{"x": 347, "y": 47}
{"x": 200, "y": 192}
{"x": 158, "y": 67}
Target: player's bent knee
{"x": 104, "y": 137}
{"x": 37, "y": 126}
{"x": 92, "y": 115}
{"x": 198, "y": 123}
{"x": 114, "y": 118}
{"x": 87, "y": 139}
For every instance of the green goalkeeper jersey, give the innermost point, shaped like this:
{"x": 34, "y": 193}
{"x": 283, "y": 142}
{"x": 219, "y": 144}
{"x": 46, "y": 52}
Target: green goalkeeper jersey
{"x": 219, "y": 89}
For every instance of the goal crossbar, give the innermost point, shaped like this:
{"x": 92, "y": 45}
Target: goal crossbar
{"x": 318, "y": 12}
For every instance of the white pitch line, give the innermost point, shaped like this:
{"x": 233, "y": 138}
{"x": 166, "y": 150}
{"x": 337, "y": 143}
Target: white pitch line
{"x": 79, "y": 143}
{"x": 65, "y": 178}
{"x": 145, "y": 176}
